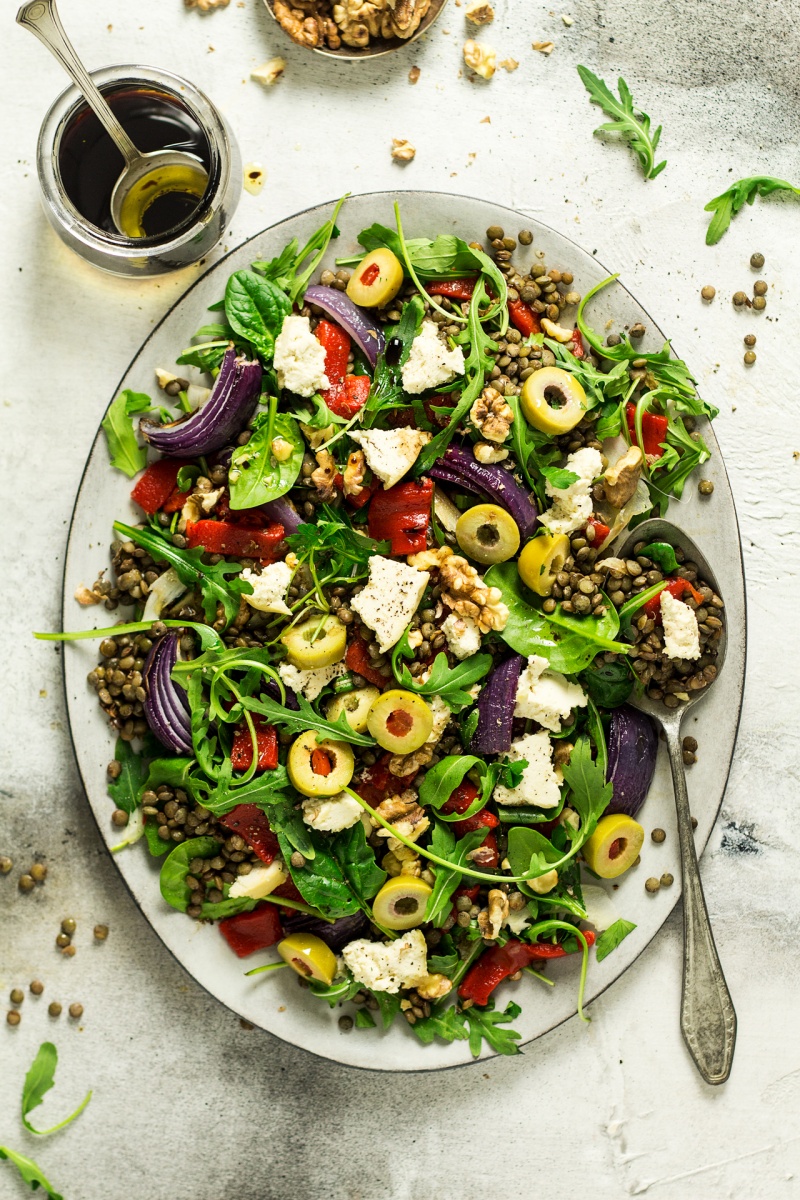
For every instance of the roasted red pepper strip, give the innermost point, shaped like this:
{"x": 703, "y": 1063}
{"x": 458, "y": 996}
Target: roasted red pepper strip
{"x": 576, "y": 345}
{"x": 266, "y": 740}
{"x": 523, "y": 318}
{"x": 155, "y": 487}
{"x": 549, "y": 950}
{"x": 358, "y": 660}
{"x": 445, "y": 400}
{"x": 454, "y": 289}
{"x": 346, "y": 398}
{"x": 470, "y": 892}
{"x": 654, "y": 431}
{"x": 336, "y": 344}
{"x": 378, "y": 782}
{"x": 498, "y": 962}
{"x": 677, "y": 588}
{"x": 250, "y": 931}
{"x": 601, "y": 531}
{"x": 223, "y": 537}
{"x": 358, "y": 501}
{"x": 481, "y": 819}
{"x": 251, "y": 824}
{"x": 460, "y": 799}
{"x": 401, "y": 515}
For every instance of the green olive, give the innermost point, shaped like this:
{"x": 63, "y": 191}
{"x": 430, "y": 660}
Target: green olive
{"x": 309, "y": 956}
{"x": 400, "y": 721}
{"x": 552, "y": 400}
{"x": 319, "y": 768}
{"x": 541, "y": 560}
{"x": 316, "y": 642}
{"x": 401, "y": 902}
{"x": 614, "y": 846}
{"x": 487, "y": 533}
{"x": 376, "y": 280}
{"x": 355, "y": 706}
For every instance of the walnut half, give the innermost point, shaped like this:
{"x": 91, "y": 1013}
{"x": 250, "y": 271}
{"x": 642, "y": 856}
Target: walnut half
{"x": 492, "y": 414}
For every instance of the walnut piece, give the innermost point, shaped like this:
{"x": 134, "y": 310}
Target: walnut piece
{"x": 206, "y": 5}
{"x": 305, "y": 30}
{"x": 323, "y": 476}
{"x": 402, "y": 17}
{"x": 404, "y": 814}
{"x": 482, "y": 59}
{"x": 492, "y": 919}
{"x": 492, "y": 414}
{"x": 485, "y": 452}
{"x": 86, "y": 596}
{"x": 480, "y": 13}
{"x": 427, "y": 559}
{"x": 463, "y": 589}
{"x": 620, "y": 480}
{"x": 353, "y": 474}
{"x": 402, "y": 151}
{"x": 414, "y": 74}
{"x": 433, "y": 987}
{"x": 544, "y": 47}
{"x": 402, "y": 861}
{"x": 509, "y": 64}
{"x": 269, "y": 72}
{"x": 545, "y": 883}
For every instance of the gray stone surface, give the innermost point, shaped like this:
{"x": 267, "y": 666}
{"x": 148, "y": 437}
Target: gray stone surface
{"x": 188, "y": 1104}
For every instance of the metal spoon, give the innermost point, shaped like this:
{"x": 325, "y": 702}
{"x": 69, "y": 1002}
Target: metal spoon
{"x": 42, "y": 18}
{"x": 708, "y": 1018}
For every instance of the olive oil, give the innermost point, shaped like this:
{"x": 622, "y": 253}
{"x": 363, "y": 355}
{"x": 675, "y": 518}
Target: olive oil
{"x": 90, "y": 164}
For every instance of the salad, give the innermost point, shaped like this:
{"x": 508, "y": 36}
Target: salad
{"x": 370, "y": 682}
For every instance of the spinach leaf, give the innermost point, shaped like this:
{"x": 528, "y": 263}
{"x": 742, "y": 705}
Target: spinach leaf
{"x": 255, "y": 308}
{"x": 388, "y": 1006}
{"x": 40, "y": 1078}
{"x": 663, "y": 554}
{"x": 364, "y": 1019}
{"x": 484, "y": 1026}
{"x": 527, "y": 847}
{"x": 448, "y": 1024}
{"x": 286, "y": 819}
{"x": 126, "y": 789}
{"x": 321, "y": 882}
{"x": 610, "y": 938}
{"x": 356, "y": 858}
{"x": 175, "y": 890}
{"x": 176, "y": 773}
{"x": 449, "y": 683}
{"x": 609, "y": 684}
{"x": 442, "y": 779}
{"x": 256, "y": 475}
{"x": 444, "y": 844}
{"x": 124, "y": 450}
{"x": 155, "y": 845}
{"x": 30, "y": 1172}
{"x": 304, "y": 717}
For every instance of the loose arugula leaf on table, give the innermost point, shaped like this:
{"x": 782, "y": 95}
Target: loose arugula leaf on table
{"x": 631, "y": 123}
{"x": 126, "y": 789}
{"x": 40, "y": 1078}
{"x": 744, "y": 191}
{"x": 124, "y": 450}
{"x": 30, "y": 1172}
{"x": 321, "y": 882}
{"x": 484, "y": 1026}
{"x": 256, "y": 476}
{"x": 610, "y": 938}
{"x": 445, "y": 845}
{"x": 450, "y": 683}
{"x": 207, "y": 356}
{"x": 255, "y": 308}
{"x": 356, "y": 858}
{"x": 214, "y": 585}
{"x": 303, "y": 718}
{"x": 448, "y": 1024}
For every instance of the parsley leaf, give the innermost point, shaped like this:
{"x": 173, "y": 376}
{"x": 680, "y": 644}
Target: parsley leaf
{"x": 631, "y": 123}
{"x": 125, "y": 452}
{"x": 40, "y": 1078}
{"x": 744, "y": 191}
{"x": 610, "y": 938}
{"x": 484, "y": 1026}
{"x": 30, "y": 1172}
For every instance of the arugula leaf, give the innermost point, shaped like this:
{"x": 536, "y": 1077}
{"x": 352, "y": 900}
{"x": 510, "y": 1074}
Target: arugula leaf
{"x": 321, "y": 882}
{"x": 126, "y": 789}
{"x": 206, "y": 356}
{"x": 264, "y": 790}
{"x": 177, "y": 773}
{"x": 388, "y": 1006}
{"x": 484, "y": 1025}
{"x": 320, "y": 417}
{"x": 590, "y": 794}
{"x": 286, "y": 819}
{"x": 447, "y": 959}
{"x": 364, "y": 1019}
{"x": 40, "y": 1078}
{"x": 449, "y": 1024}
{"x": 442, "y": 779}
{"x": 444, "y": 844}
{"x": 280, "y": 270}
{"x": 256, "y": 475}
{"x": 209, "y": 639}
{"x": 339, "y": 991}
{"x": 386, "y": 392}
{"x": 124, "y": 450}
{"x": 316, "y": 245}
{"x": 30, "y": 1172}
{"x": 610, "y": 938}
{"x": 303, "y": 718}
{"x": 334, "y": 551}
{"x": 631, "y": 123}
{"x": 450, "y": 683}
{"x": 255, "y": 308}
{"x": 356, "y": 858}
{"x": 728, "y": 203}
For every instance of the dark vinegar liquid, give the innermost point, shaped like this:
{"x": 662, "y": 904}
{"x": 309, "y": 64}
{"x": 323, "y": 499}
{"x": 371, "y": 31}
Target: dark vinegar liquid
{"x": 90, "y": 163}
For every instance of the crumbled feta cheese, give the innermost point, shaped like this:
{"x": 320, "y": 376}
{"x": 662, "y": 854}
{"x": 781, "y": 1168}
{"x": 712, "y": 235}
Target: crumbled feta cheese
{"x": 519, "y": 919}
{"x": 430, "y": 363}
{"x": 331, "y": 813}
{"x": 540, "y": 784}
{"x": 388, "y": 967}
{"x": 300, "y": 358}
{"x": 269, "y": 588}
{"x": 681, "y": 634}
{"x": 390, "y": 453}
{"x": 463, "y": 636}
{"x": 572, "y": 506}
{"x": 390, "y": 599}
{"x": 442, "y": 713}
{"x": 546, "y": 696}
{"x": 600, "y": 909}
{"x": 310, "y": 682}
{"x": 260, "y": 882}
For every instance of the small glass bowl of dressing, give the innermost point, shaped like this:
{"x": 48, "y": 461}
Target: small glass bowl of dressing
{"x": 182, "y": 216}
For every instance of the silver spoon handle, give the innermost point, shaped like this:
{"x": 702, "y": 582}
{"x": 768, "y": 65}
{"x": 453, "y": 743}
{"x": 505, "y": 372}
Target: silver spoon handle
{"x": 708, "y": 1018}
{"x": 41, "y": 17}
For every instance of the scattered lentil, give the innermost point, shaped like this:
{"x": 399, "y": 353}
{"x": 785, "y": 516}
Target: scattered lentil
{"x": 119, "y": 817}
{"x": 759, "y": 303}
{"x": 652, "y": 884}
{"x": 54, "y": 1008}
{"x": 756, "y": 261}
{"x": 760, "y": 287}
{"x": 705, "y": 487}
{"x": 739, "y": 299}
{"x": 26, "y": 883}
{"x": 16, "y": 995}
{"x": 667, "y": 880}
{"x": 6, "y": 864}
{"x": 694, "y": 822}
{"x": 13, "y": 1017}
{"x": 100, "y": 933}
{"x": 708, "y": 292}
{"x": 749, "y": 339}
{"x": 63, "y": 940}
{"x": 76, "y": 1011}
{"x": 658, "y": 836}
{"x": 525, "y": 237}
{"x": 345, "y": 1024}
{"x": 38, "y": 872}
{"x": 37, "y": 987}
{"x": 68, "y": 925}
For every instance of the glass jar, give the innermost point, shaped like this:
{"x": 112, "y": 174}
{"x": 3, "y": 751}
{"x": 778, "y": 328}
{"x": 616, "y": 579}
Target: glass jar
{"x": 186, "y": 242}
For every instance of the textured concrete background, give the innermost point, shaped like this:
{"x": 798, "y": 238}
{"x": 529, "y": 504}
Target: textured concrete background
{"x": 188, "y": 1104}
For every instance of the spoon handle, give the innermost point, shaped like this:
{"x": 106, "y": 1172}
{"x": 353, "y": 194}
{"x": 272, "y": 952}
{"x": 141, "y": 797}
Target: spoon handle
{"x": 708, "y": 1018}
{"x": 41, "y": 17}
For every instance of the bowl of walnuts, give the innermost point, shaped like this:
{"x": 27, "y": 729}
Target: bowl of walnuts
{"x": 352, "y": 29}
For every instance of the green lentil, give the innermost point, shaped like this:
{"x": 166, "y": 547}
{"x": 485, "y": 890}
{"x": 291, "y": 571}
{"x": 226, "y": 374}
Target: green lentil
{"x": 756, "y": 261}
{"x": 708, "y": 292}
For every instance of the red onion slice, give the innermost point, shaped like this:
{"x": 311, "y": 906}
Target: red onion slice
{"x": 458, "y": 465}
{"x": 367, "y": 335}
{"x": 496, "y": 708}
{"x": 632, "y": 753}
{"x": 165, "y": 707}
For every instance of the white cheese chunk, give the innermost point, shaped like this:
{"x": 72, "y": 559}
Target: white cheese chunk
{"x": 430, "y": 363}
{"x": 331, "y": 813}
{"x": 390, "y": 453}
{"x": 681, "y": 634}
{"x": 546, "y": 696}
{"x": 540, "y": 785}
{"x": 572, "y": 506}
{"x": 519, "y": 919}
{"x": 390, "y": 599}
{"x": 269, "y": 588}
{"x": 260, "y": 882}
{"x": 388, "y": 967}
{"x": 600, "y": 908}
{"x": 299, "y": 358}
{"x": 310, "y": 683}
{"x": 463, "y": 636}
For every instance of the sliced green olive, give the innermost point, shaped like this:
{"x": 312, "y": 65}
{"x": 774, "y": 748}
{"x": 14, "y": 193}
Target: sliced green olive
{"x": 316, "y": 642}
{"x": 400, "y": 721}
{"x": 400, "y": 904}
{"x": 319, "y": 768}
{"x": 376, "y": 280}
{"x": 541, "y": 560}
{"x": 552, "y": 400}
{"x": 614, "y": 846}
{"x": 309, "y": 956}
{"x": 488, "y": 533}
{"x": 355, "y": 706}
